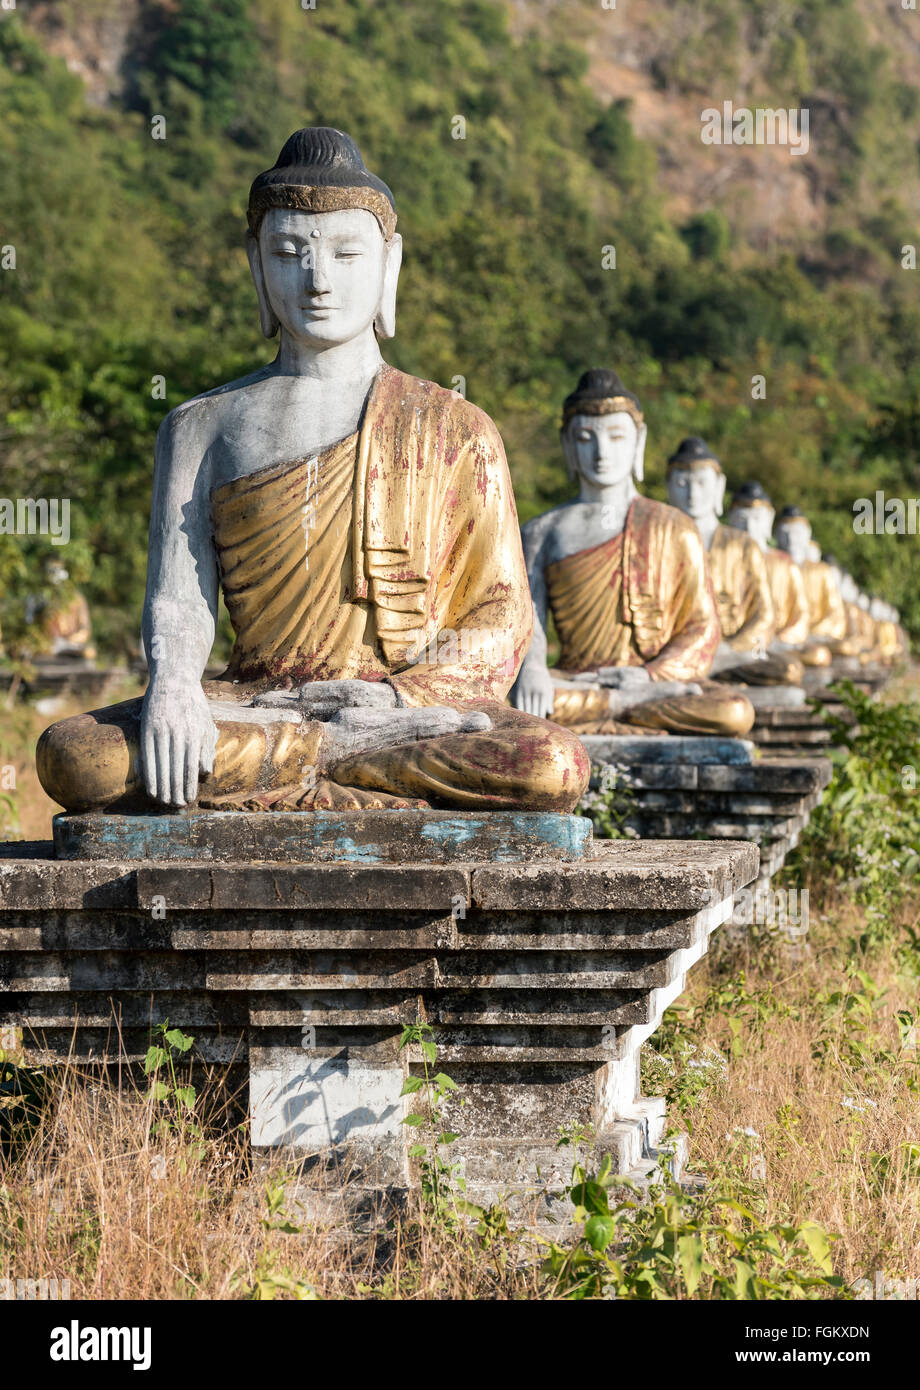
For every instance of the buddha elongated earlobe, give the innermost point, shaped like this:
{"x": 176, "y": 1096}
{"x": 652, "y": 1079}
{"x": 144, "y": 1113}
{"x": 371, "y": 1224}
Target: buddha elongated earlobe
{"x": 267, "y": 317}
{"x": 639, "y": 455}
{"x": 720, "y": 495}
{"x": 385, "y": 320}
{"x": 568, "y": 452}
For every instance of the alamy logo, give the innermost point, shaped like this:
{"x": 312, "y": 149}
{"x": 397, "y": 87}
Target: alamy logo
{"x": 31, "y": 516}
{"x": 492, "y": 646}
{"x": 886, "y": 516}
{"x": 739, "y": 125}
{"x": 29, "y": 1290}
{"x": 76, "y": 1343}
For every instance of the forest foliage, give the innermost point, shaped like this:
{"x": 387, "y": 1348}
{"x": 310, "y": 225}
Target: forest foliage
{"x": 130, "y": 291}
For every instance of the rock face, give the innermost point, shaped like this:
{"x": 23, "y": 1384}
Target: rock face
{"x": 540, "y": 979}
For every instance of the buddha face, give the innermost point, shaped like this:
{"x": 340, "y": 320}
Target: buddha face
{"x": 757, "y": 521}
{"x": 604, "y": 450}
{"x": 698, "y": 492}
{"x": 794, "y": 536}
{"x": 325, "y": 277}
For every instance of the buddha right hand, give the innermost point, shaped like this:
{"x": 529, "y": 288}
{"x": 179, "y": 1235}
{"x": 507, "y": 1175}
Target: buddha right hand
{"x": 178, "y": 741}
{"x": 533, "y": 692}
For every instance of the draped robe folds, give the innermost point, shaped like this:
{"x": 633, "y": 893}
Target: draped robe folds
{"x": 790, "y": 604}
{"x": 641, "y": 598}
{"x": 865, "y": 632}
{"x": 67, "y": 622}
{"x": 394, "y": 556}
{"x": 746, "y": 612}
{"x": 826, "y": 614}
{"x": 787, "y": 589}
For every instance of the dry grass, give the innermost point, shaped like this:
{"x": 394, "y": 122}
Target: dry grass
{"x": 806, "y": 1055}
{"x": 97, "y": 1198}
{"x": 29, "y": 815}
{"x": 814, "y": 1063}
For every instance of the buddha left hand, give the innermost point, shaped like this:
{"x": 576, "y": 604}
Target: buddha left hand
{"x": 362, "y": 716}
{"x": 629, "y": 679}
{"x": 322, "y": 699}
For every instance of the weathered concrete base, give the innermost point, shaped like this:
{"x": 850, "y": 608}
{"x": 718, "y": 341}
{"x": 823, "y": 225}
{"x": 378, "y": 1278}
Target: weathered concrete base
{"x": 324, "y": 837}
{"x": 541, "y": 980}
{"x": 58, "y": 676}
{"x": 775, "y": 696}
{"x": 790, "y": 733}
{"x": 699, "y": 792}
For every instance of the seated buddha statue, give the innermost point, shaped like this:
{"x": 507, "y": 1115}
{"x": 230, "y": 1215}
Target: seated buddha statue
{"x": 361, "y": 524}
{"x": 891, "y": 636}
{"x": 827, "y": 619}
{"x": 62, "y": 619}
{"x": 696, "y": 484}
{"x": 627, "y": 584}
{"x": 862, "y": 632}
{"x": 752, "y": 511}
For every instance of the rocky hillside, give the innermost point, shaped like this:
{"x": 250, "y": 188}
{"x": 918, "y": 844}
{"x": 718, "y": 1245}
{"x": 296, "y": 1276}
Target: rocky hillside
{"x": 583, "y": 132}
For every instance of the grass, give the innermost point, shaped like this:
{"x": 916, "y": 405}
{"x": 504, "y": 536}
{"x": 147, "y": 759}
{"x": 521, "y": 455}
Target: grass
{"x": 795, "y": 1071}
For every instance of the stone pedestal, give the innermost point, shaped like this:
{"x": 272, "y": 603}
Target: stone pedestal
{"x": 540, "y": 977}
{"x": 713, "y": 787}
{"x": 58, "y": 676}
{"x": 798, "y": 732}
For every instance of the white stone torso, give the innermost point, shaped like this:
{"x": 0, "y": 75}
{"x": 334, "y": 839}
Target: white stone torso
{"x": 263, "y": 420}
{"x": 573, "y": 527}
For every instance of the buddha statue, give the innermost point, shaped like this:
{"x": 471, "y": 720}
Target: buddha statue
{"x": 696, "y": 485}
{"x": 752, "y": 511}
{"x": 62, "y": 619}
{"x": 627, "y": 584}
{"x": 827, "y": 618}
{"x": 362, "y": 527}
{"x": 891, "y": 637}
{"x": 861, "y": 634}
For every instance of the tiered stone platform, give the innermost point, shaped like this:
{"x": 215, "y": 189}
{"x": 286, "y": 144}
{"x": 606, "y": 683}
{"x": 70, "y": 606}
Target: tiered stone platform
{"x": 715, "y": 788}
{"x": 541, "y": 959}
{"x": 790, "y": 733}
{"x": 59, "y": 677}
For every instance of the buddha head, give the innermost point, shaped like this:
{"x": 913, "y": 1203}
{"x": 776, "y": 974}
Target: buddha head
{"x": 56, "y": 574}
{"x": 603, "y": 432}
{"x": 696, "y": 483}
{"x": 752, "y": 511}
{"x": 322, "y": 243}
{"x": 849, "y": 589}
{"x": 793, "y": 533}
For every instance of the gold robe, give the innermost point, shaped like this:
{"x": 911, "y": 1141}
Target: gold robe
{"x": 890, "y": 640}
{"x": 68, "y": 622}
{"x": 642, "y": 598}
{"x": 739, "y": 576}
{"x": 395, "y": 556}
{"x": 826, "y": 614}
{"x": 746, "y": 614}
{"x": 864, "y": 633}
{"x": 787, "y": 590}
